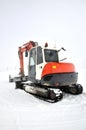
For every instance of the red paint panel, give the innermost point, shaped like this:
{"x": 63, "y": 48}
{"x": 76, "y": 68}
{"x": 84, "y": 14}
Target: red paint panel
{"x": 53, "y": 67}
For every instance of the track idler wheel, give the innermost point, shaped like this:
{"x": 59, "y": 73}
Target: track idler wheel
{"x": 55, "y": 97}
{"x": 76, "y": 89}
{"x": 18, "y": 85}
{"x": 51, "y": 94}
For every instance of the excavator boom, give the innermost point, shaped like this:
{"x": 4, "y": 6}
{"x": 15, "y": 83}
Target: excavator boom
{"x": 25, "y": 48}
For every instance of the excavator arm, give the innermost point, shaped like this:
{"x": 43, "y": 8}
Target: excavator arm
{"x": 25, "y": 48}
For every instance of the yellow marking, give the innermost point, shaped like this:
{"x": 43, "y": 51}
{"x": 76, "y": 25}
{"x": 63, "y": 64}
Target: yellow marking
{"x": 54, "y": 67}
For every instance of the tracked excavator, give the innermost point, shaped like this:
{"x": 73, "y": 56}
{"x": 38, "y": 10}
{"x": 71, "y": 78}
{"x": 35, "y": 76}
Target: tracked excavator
{"x": 47, "y": 76}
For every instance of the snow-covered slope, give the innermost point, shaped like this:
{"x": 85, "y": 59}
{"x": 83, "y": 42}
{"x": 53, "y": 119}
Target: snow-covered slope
{"x": 22, "y": 111}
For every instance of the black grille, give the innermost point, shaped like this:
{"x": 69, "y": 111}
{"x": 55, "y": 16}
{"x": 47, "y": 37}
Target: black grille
{"x": 48, "y": 78}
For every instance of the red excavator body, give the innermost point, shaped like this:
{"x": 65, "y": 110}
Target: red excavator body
{"x": 58, "y": 74}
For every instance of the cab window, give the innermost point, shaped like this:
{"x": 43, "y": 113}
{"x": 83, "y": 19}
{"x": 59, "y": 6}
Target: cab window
{"x": 33, "y": 57}
{"x": 39, "y": 55}
{"x": 51, "y": 55}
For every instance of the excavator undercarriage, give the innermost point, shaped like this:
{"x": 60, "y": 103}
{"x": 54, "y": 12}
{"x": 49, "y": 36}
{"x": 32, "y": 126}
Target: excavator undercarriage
{"x": 49, "y": 94}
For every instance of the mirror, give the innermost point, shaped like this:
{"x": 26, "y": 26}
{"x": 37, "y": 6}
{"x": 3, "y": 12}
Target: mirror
{"x": 62, "y": 48}
{"x": 26, "y": 53}
{"x": 63, "y": 59}
{"x": 61, "y": 54}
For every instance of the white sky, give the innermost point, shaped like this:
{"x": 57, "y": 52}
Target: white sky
{"x": 55, "y": 21}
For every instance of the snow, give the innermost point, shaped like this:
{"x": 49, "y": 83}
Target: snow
{"x": 22, "y": 111}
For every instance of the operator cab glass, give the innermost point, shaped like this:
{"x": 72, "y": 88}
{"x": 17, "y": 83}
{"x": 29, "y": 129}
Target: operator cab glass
{"x": 39, "y": 55}
{"x": 51, "y": 55}
{"x": 32, "y": 63}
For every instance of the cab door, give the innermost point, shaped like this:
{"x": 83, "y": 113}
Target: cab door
{"x": 32, "y": 63}
{"x": 40, "y": 64}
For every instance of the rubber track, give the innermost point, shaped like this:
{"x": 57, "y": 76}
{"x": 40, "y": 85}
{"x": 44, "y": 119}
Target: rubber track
{"x": 49, "y": 100}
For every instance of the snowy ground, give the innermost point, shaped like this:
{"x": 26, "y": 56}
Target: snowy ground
{"x": 22, "y": 111}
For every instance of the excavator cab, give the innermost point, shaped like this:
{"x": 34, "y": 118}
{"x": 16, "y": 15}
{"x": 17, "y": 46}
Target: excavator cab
{"x": 38, "y": 58}
{"x": 45, "y": 68}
